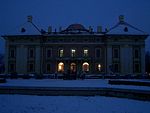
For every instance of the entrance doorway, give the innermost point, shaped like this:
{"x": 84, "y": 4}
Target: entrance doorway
{"x": 85, "y": 66}
{"x": 73, "y": 67}
{"x": 61, "y": 67}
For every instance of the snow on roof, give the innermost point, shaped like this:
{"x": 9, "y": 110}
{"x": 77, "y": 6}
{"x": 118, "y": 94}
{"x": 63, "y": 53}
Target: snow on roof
{"x": 27, "y": 28}
{"x": 124, "y": 28}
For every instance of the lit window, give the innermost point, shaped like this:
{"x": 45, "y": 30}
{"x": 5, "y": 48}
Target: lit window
{"x": 73, "y": 67}
{"x": 60, "y": 67}
{"x": 85, "y": 66}
{"x": 99, "y": 67}
{"x": 85, "y": 52}
{"x": 61, "y": 53}
{"x": 73, "y": 52}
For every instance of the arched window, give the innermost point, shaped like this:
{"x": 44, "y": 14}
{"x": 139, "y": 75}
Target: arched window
{"x": 85, "y": 66}
{"x": 73, "y": 67}
{"x": 60, "y": 67}
{"x": 99, "y": 67}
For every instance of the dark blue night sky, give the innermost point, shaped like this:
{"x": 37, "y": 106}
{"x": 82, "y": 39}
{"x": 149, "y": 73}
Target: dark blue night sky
{"x": 57, "y": 13}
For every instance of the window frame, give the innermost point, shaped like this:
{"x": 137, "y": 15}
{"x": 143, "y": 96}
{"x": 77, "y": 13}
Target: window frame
{"x": 14, "y": 52}
{"x": 73, "y": 54}
{"x": 30, "y": 56}
{"x": 47, "y": 53}
{"x": 85, "y": 54}
{"x": 96, "y": 52}
{"x": 116, "y": 52}
{"x": 61, "y": 52}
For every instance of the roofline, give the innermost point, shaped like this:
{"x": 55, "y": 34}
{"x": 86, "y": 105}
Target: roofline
{"x": 127, "y": 35}
{"x": 91, "y": 34}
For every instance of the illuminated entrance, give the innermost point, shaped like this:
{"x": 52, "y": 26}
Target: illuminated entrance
{"x": 85, "y": 66}
{"x": 61, "y": 67}
{"x": 73, "y": 67}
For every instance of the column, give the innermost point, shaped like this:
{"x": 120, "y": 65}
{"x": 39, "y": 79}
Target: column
{"x": 126, "y": 59}
{"x": 21, "y": 59}
{"x": 6, "y": 56}
{"x": 142, "y": 60}
{"x": 38, "y": 60}
{"x": 109, "y": 58}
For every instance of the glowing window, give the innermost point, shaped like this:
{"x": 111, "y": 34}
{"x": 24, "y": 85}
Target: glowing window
{"x": 99, "y": 67}
{"x": 61, "y": 53}
{"x": 85, "y": 66}
{"x": 73, "y": 67}
{"x": 85, "y": 52}
{"x": 60, "y": 67}
{"x": 73, "y": 52}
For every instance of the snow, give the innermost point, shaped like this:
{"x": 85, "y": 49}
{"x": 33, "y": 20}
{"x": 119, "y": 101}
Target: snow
{"x": 125, "y": 29}
{"x": 98, "y": 83}
{"x": 28, "y": 28}
{"x": 70, "y": 104}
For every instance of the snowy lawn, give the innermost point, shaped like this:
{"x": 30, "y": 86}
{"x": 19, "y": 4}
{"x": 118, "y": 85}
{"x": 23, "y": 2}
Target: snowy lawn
{"x": 68, "y": 83}
{"x": 70, "y": 104}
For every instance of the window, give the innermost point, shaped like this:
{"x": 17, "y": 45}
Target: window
{"x": 31, "y": 52}
{"x": 73, "y": 67}
{"x": 98, "y": 53}
{"x": 98, "y": 66}
{"x": 85, "y": 66}
{"x": 136, "y": 53}
{"x": 136, "y": 67}
{"x": 115, "y": 52}
{"x": 85, "y": 52}
{"x": 31, "y": 67}
{"x": 12, "y": 67}
{"x": 73, "y": 52}
{"x": 60, "y": 67}
{"x": 61, "y": 52}
{"x": 48, "y": 67}
{"x": 12, "y": 53}
{"x": 49, "y": 53}
{"x": 116, "y": 67}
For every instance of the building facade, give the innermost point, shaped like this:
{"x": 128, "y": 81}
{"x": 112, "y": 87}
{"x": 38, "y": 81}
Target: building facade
{"x": 77, "y": 49}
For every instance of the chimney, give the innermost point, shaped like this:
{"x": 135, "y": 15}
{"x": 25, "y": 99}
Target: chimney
{"x": 90, "y": 29}
{"x": 121, "y": 18}
{"x": 49, "y": 29}
{"x": 60, "y": 29}
{"x": 99, "y": 29}
{"x": 106, "y": 29}
{"x": 29, "y": 18}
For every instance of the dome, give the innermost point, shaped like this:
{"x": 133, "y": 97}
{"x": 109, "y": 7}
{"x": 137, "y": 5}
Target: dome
{"x": 76, "y": 27}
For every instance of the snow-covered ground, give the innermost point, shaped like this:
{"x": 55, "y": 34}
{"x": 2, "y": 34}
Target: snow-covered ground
{"x": 68, "y": 83}
{"x": 70, "y": 104}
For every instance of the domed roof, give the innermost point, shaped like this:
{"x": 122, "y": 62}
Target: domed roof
{"x": 76, "y": 27}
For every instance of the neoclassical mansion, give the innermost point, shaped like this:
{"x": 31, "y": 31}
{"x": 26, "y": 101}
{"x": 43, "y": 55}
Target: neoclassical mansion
{"x": 120, "y": 49}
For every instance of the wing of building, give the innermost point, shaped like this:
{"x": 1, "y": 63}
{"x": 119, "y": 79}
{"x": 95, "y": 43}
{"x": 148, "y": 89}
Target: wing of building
{"x": 119, "y": 50}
